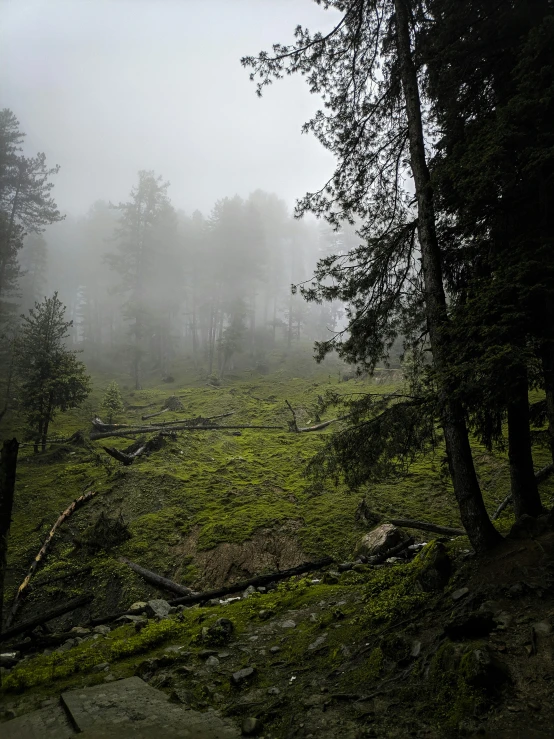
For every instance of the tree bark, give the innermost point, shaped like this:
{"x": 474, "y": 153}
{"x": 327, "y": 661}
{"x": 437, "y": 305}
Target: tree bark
{"x": 547, "y": 358}
{"x": 8, "y": 465}
{"x": 525, "y": 491}
{"x": 475, "y": 519}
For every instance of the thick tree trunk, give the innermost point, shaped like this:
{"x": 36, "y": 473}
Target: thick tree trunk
{"x": 475, "y": 519}
{"x": 525, "y": 491}
{"x": 8, "y": 464}
{"x": 547, "y": 357}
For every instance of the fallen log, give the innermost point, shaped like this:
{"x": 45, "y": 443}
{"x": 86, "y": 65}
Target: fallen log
{"x": 153, "y": 415}
{"x": 199, "y": 597}
{"x": 182, "y": 427}
{"x": 377, "y": 559}
{"x": 157, "y": 580}
{"x": 505, "y": 503}
{"x": 259, "y": 580}
{"x": 425, "y": 526}
{"x": 127, "y": 459}
{"x": 21, "y": 592}
{"x": 295, "y": 428}
{"x": 198, "y": 421}
{"x": 99, "y": 425}
{"x": 32, "y": 623}
{"x": 544, "y": 473}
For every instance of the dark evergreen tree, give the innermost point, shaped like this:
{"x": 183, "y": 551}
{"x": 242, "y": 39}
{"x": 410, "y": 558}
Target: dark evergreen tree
{"x": 50, "y": 378}
{"x": 366, "y": 71}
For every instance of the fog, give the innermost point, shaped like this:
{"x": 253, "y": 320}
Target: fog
{"x": 108, "y": 87}
{"x": 176, "y": 182}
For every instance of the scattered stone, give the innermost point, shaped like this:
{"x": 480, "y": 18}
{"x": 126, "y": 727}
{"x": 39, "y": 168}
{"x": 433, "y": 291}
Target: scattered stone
{"x": 80, "y": 631}
{"x": 66, "y": 646}
{"x": 503, "y": 620}
{"x": 459, "y": 594}
{"x": 542, "y": 628}
{"x": 331, "y": 578}
{"x": 482, "y": 670}
{"x": 212, "y": 662}
{"x": 273, "y": 691}
{"x": 9, "y": 659}
{"x": 101, "y": 667}
{"x": 128, "y": 619}
{"x": 103, "y": 629}
{"x": 242, "y": 676}
{"x": 109, "y": 678}
{"x": 157, "y": 607}
{"x": 139, "y": 607}
{"x": 250, "y": 590}
{"x": 380, "y": 540}
{"x": 251, "y": 726}
{"x": 261, "y": 589}
{"x": 224, "y": 655}
{"x": 288, "y": 625}
{"x": 313, "y": 618}
{"x": 175, "y": 649}
{"x": 265, "y": 614}
{"x": 319, "y": 642}
{"x": 274, "y": 650}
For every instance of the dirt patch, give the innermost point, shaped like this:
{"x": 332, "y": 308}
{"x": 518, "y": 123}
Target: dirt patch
{"x": 267, "y": 551}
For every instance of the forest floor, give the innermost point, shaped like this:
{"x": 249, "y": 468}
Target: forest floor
{"x": 213, "y": 507}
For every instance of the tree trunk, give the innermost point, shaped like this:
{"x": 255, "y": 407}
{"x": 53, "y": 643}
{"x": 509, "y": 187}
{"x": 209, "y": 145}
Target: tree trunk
{"x": 8, "y": 464}
{"x": 525, "y": 491}
{"x": 475, "y": 519}
{"x": 547, "y": 358}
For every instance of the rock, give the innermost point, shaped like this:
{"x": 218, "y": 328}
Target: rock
{"x": 250, "y": 590}
{"x": 103, "y": 629}
{"x": 273, "y": 691}
{"x": 223, "y": 655}
{"x": 128, "y": 619}
{"x": 380, "y": 540}
{"x": 139, "y": 607}
{"x": 288, "y": 625}
{"x": 319, "y": 642}
{"x": 503, "y": 620}
{"x": 220, "y": 632}
{"x": 109, "y": 678}
{"x": 482, "y": 670}
{"x": 205, "y": 653}
{"x": 251, "y": 726}
{"x": 542, "y": 628}
{"x": 331, "y": 578}
{"x": 459, "y": 594}
{"x": 265, "y": 614}
{"x": 80, "y": 631}
{"x": 212, "y": 662}
{"x": 474, "y": 625}
{"x": 157, "y": 607}
{"x": 9, "y": 659}
{"x": 261, "y": 590}
{"x": 274, "y": 650}
{"x": 242, "y": 676}
{"x": 435, "y": 567}
{"x": 101, "y": 667}
{"x": 69, "y": 644}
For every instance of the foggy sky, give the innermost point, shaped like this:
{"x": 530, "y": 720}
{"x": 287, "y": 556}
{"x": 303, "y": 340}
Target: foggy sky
{"x": 108, "y": 87}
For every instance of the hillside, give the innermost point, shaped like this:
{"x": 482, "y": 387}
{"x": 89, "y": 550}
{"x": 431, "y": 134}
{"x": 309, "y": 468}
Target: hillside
{"x": 213, "y": 507}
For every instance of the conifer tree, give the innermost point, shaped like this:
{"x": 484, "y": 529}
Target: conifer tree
{"x": 50, "y": 378}
{"x": 112, "y": 402}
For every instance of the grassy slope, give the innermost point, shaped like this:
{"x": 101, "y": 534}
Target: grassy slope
{"x": 223, "y": 486}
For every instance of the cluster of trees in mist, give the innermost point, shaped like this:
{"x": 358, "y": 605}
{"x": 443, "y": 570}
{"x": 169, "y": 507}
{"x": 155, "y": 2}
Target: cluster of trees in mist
{"x": 144, "y": 282}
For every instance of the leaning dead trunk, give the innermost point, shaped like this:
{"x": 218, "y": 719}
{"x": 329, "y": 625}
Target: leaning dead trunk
{"x": 8, "y": 464}
{"x": 524, "y": 488}
{"x": 475, "y": 519}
